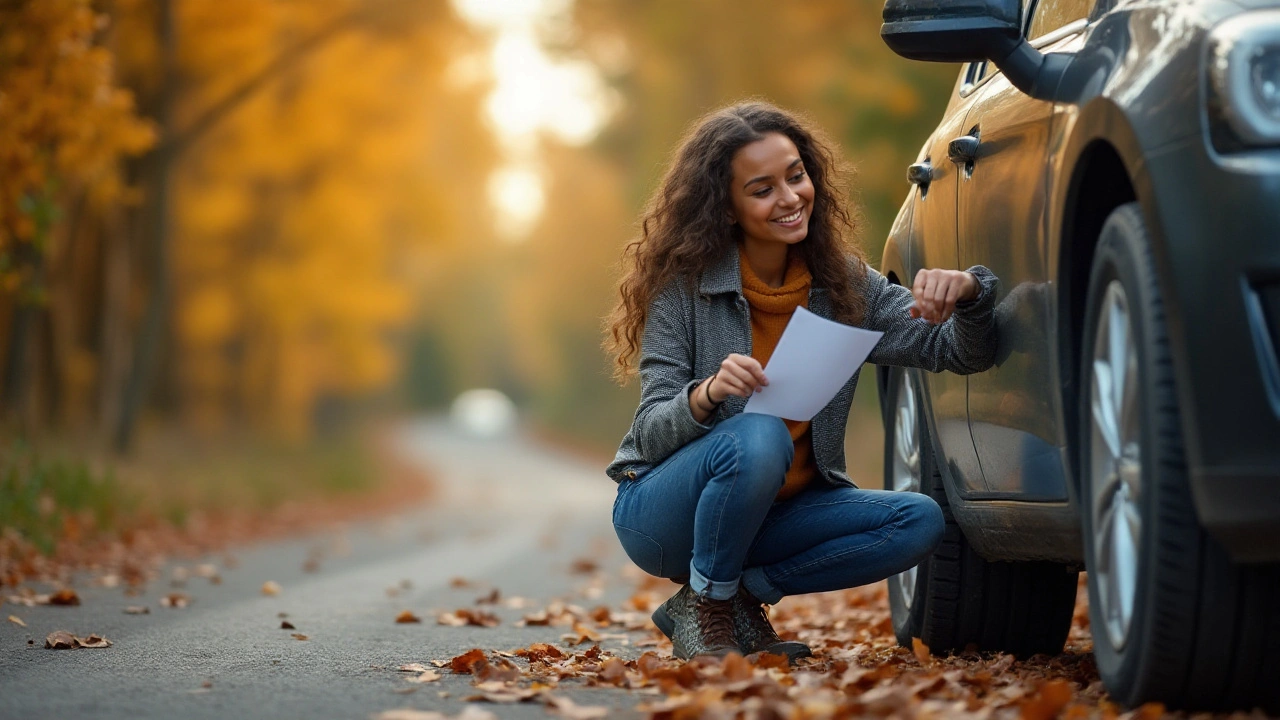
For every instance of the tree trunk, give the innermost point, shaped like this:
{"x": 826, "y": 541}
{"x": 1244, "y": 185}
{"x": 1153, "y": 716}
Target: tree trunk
{"x": 156, "y": 227}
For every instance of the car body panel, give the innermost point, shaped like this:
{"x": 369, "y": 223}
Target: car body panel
{"x": 1133, "y": 92}
{"x": 933, "y": 244}
{"x": 1016, "y": 419}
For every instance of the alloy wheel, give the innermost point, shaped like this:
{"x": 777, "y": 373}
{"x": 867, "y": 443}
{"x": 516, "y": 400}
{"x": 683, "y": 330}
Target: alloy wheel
{"x": 906, "y": 464}
{"x": 1115, "y": 464}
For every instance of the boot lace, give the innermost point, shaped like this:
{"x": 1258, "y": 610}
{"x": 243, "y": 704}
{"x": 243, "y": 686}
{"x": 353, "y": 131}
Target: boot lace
{"x": 715, "y": 620}
{"x": 760, "y": 618}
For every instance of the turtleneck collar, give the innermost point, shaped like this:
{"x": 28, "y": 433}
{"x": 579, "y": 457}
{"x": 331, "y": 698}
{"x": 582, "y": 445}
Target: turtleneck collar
{"x": 793, "y": 291}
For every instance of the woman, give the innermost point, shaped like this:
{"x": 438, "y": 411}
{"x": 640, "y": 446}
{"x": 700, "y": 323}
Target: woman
{"x": 748, "y": 224}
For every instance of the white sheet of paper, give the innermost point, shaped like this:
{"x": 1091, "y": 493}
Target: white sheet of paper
{"x": 815, "y": 357}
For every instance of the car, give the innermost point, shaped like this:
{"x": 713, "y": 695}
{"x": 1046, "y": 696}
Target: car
{"x": 1117, "y": 165}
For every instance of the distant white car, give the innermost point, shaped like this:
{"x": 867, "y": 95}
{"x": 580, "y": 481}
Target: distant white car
{"x": 484, "y": 413}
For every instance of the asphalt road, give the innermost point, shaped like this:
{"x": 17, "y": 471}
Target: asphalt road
{"x": 510, "y": 515}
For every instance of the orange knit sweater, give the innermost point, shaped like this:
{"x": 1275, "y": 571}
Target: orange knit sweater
{"x": 771, "y": 310}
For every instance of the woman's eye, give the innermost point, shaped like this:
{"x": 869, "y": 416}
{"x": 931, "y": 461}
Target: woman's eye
{"x": 797, "y": 176}
{"x": 761, "y": 192}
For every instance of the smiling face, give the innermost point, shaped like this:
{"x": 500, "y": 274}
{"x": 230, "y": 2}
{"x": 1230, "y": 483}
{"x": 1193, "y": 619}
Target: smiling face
{"x": 771, "y": 194}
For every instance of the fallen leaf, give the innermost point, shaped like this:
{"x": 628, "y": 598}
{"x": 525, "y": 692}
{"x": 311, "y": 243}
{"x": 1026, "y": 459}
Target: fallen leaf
{"x": 500, "y": 692}
{"x": 425, "y": 677}
{"x": 566, "y": 708}
{"x": 16, "y": 620}
{"x": 459, "y": 582}
{"x": 413, "y": 667}
{"x": 467, "y": 616}
{"x": 175, "y": 600}
{"x": 410, "y": 714}
{"x": 286, "y": 625}
{"x": 584, "y": 566}
{"x": 541, "y": 652}
{"x": 64, "y": 640}
{"x": 271, "y": 588}
{"x": 468, "y": 713}
{"x": 64, "y": 596}
{"x": 299, "y": 636}
{"x": 1048, "y": 701}
{"x": 406, "y": 616}
{"x": 467, "y": 662}
{"x": 93, "y": 641}
{"x": 491, "y": 599}
{"x": 311, "y": 565}
{"x": 921, "y": 651}
{"x": 137, "y": 610}
{"x": 61, "y": 640}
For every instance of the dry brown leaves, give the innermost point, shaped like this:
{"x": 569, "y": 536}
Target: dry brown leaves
{"x": 469, "y": 713}
{"x": 466, "y": 616}
{"x": 29, "y": 598}
{"x": 175, "y": 600}
{"x": 407, "y": 616}
{"x": 64, "y": 640}
{"x": 858, "y": 669}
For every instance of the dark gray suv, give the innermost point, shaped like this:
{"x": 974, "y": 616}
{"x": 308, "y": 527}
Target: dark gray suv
{"x": 1117, "y": 164}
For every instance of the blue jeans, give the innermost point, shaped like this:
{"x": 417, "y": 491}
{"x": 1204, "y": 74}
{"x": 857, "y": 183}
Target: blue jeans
{"x": 708, "y": 513}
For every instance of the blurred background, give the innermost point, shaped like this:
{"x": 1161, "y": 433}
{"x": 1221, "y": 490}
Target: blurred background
{"x": 237, "y": 238}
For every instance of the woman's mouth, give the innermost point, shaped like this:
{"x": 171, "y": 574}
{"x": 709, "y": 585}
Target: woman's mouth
{"x": 792, "y": 220}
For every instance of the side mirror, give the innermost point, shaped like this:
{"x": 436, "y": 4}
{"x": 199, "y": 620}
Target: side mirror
{"x": 970, "y": 31}
{"x": 952, "y": 30}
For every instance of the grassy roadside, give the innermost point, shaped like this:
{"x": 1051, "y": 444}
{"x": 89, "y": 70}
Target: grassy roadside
{"x": 63, "y": 505}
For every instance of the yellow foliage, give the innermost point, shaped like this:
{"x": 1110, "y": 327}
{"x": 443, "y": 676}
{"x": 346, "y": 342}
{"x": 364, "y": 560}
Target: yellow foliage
{"x": 63, "y": 119}
{"x": 295, "y": 215}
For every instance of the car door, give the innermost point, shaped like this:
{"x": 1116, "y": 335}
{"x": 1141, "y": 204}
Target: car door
{"x": 934, "y": 245}
{"x": 1015, "y": 413}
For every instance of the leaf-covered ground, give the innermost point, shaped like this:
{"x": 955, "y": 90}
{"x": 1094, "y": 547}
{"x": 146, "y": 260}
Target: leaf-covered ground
{"x": 858, "y": 668}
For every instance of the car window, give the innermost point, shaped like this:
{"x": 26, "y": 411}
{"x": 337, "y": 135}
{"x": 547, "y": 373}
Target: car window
{"x": 1049, "y": 15}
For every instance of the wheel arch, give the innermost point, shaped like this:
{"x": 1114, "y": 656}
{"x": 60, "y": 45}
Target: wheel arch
{"x": 1106, "y": 171}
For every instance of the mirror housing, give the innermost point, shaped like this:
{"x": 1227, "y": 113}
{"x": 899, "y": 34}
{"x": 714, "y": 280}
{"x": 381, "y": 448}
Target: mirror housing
{"x": 952, "y": 30}
{"x": 962, "y": 31}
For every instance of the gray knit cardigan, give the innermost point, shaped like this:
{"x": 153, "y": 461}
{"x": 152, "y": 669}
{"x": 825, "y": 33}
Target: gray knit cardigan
{"x": 687, "y": 335}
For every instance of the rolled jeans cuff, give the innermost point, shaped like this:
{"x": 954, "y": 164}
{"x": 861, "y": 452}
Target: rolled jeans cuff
{"x": 714, "y": 589}
{"x": 757, "y": 583}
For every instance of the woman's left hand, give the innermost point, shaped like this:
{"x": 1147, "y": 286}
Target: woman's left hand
{"x": 937, "y": 291}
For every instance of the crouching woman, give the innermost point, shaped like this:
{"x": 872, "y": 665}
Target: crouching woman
{"x": 748, "y": 224}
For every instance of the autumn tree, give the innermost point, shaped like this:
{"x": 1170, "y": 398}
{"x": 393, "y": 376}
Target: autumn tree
{"x": 65, "y": 125}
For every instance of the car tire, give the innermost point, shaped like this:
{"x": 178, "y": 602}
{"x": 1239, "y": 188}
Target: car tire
{"x": 955, "y": 600}
{"x": 1173, "y": 619}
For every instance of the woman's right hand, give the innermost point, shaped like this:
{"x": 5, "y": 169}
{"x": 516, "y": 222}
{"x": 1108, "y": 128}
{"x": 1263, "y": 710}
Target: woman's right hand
{"x": 739, "y": 375}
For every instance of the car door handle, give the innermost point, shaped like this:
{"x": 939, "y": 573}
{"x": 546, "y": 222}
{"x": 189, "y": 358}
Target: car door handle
{"x": 963, "y": 150}
{"x": 920, "y": 173}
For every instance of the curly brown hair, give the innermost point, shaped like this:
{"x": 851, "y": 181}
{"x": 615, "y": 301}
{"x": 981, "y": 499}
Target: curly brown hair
{"x": 685, "y": 225}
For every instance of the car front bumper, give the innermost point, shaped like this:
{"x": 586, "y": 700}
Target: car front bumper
{"x": 1219, "y": 228}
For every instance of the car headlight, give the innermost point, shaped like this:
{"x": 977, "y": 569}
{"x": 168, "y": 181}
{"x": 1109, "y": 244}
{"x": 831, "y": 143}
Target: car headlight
{"x": 1244, "y": 77}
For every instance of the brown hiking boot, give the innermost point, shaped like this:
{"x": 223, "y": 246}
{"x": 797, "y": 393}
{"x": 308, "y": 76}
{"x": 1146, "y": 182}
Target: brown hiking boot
{"x": 697, "y": 625}
{"x": 755, "y": 633}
